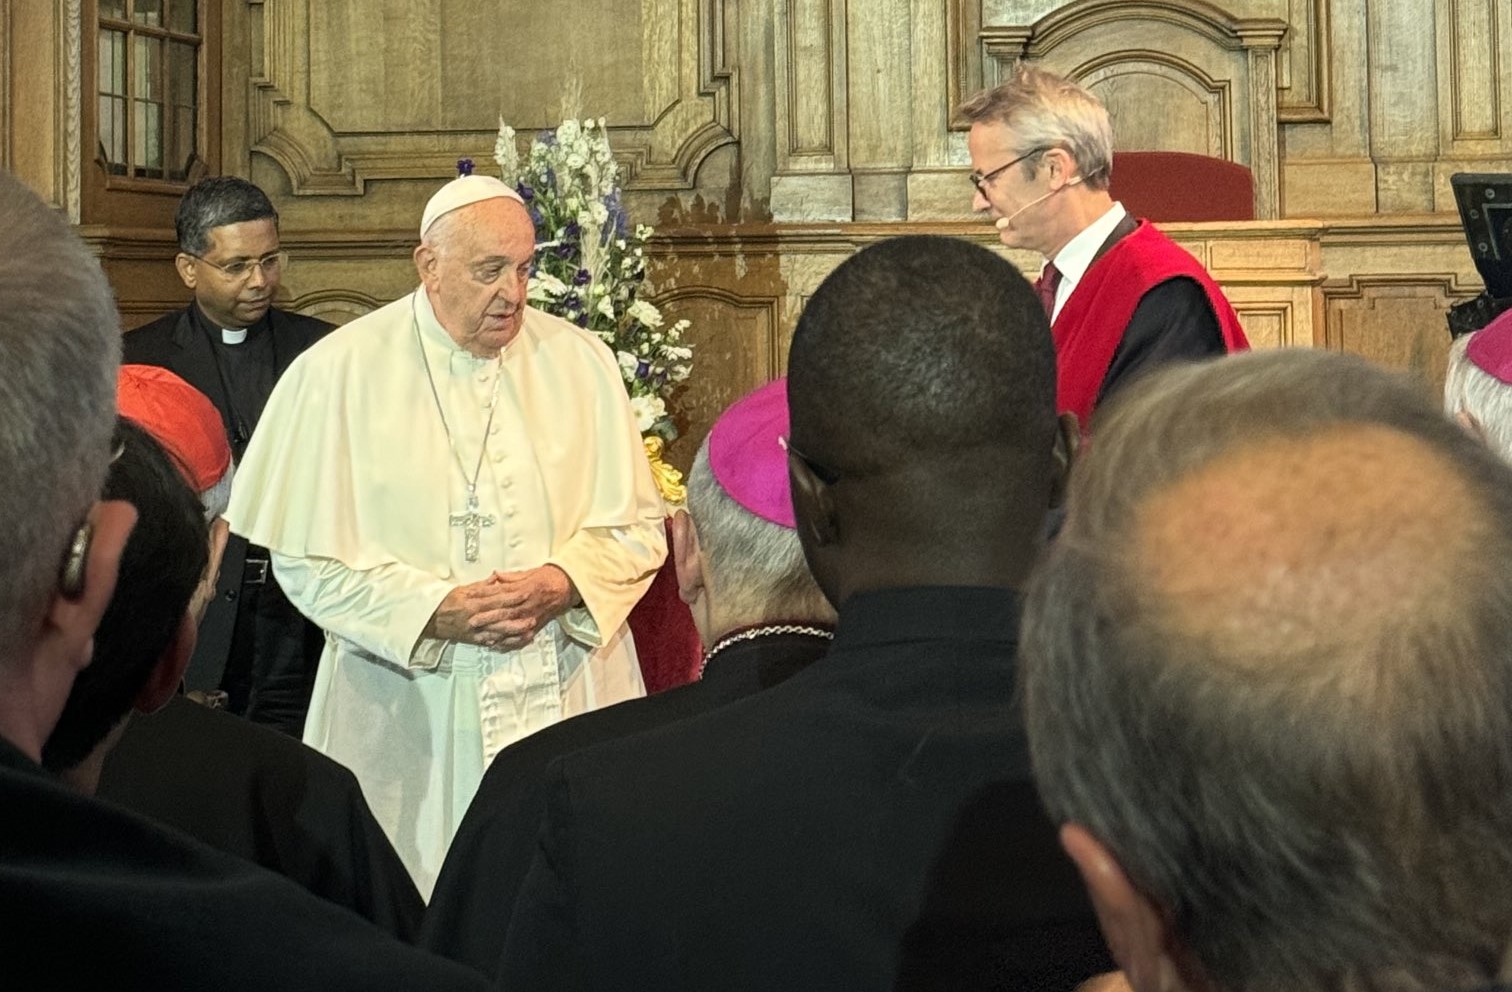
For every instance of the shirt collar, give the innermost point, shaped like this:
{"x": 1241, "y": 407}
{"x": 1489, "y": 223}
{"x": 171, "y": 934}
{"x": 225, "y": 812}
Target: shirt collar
{"x": 1077, "y": 256}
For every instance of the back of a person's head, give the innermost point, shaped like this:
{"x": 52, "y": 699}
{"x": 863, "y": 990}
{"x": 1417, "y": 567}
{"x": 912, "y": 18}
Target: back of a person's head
{"x": 1266, "y": 665}
{"x": 60, "y": 343}
{"x": 757, "y": 565}
{"x": 1476, "y": 385}
{"x": 164, "y": 560}
{"x": 927, "y": 358}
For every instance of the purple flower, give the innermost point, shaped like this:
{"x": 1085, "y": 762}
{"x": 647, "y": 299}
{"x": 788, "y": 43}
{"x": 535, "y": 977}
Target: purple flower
{"x": 581, "y": 320}
{"x": 572, "y": 231}
{"x": 582, "y": 277}
{"x": 464, "y": 167}
{"x": 535, "y": 217}
{"x": 526, "y": 193}
{"x": 548, "y": 138}
{"x": 641, "y": 368}
{"x": 565, "y": 250}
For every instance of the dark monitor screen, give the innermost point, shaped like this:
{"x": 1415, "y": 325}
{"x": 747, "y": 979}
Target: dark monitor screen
{"x": 1485, "y": 207}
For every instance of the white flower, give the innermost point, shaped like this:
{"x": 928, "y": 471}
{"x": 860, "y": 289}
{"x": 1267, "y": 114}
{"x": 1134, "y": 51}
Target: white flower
{"x": 545, "y": 286}
{"x": 567, "y": 132}
{"x": 642, "y": 232}
{"x": 600, "y": 212}
{"x": 605, "y": 305}
{"x": 627, "y": 363}
{"x": 575, "y": 160}
{"x": 644, "y": 313}
{"x": 506, "y": 154}
{"x": 647, "y": 410}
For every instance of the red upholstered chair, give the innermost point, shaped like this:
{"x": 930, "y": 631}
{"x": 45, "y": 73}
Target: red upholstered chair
{"x": 665, "y": 638}
{"x": 1180, "y": 186}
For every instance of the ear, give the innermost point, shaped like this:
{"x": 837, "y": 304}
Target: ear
{"x": 813, "y": 504}
{"x": 1133, "y": 926}
{"x": 186, "y": 271}
{"x": 1067, "y": 444}
{"x": 687, "y": 558}
{"x": 163, "y": 681}
{"x": 425, "y": 263}
{"x": 69, "y": 627}
{"x": 1471, "y": 424}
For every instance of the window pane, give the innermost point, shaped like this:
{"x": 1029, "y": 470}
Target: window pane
{"x": 113, "y": 62}
{"x": 113, "y": 132}
{"x": 183, "y": 15}
{"x": 148, "y": 71}
{"x": 149, "y": 12}
{"x": 113, "y": 8}
{"x": 147, "y": 156}
{"x": 182, "y": 77}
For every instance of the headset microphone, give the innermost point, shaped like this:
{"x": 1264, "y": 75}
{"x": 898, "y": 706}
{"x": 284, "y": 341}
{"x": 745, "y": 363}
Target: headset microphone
{"x": 1003, "y": 222}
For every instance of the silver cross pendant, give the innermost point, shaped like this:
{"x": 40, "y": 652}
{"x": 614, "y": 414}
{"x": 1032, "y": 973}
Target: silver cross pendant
{"x": 472, "y": 523}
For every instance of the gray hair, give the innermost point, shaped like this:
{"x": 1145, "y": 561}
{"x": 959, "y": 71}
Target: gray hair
{"x": 757, "y": 566}
{"x": 60, "y": 346}
{"x": 1044, "y": 111}
{"x": 216, "y": 202}
{"x": 1470, "y": 389}
{"x": 1312, "y": 810}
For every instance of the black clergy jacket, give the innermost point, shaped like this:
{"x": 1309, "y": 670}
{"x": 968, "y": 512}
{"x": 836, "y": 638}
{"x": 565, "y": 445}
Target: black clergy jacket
{"x": 263, "y": 796}
{"x": 470, "y": 907}
{"x": 93, "y": 896}
{"x": 868, "y": 824}
{"x": 289, "y": 646}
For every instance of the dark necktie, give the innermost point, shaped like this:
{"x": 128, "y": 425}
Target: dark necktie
{"x": 1045, "y": 286}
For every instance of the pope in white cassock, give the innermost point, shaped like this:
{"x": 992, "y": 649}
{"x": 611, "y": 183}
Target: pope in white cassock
{"x": 454, "y": 488}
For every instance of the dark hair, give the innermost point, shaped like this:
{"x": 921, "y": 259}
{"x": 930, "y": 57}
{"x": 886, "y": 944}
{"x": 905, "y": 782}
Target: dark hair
{"x": 216, "y": 202}
{"x": 1307, "y": 768}
{"x": 921, "y": 350}
{"x": 162, "y": 564}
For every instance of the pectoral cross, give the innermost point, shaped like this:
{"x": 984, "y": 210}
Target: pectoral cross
{"x": 472, "y": 523}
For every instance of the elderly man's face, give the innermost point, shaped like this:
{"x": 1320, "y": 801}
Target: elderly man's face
{"x": 476, "y": 273}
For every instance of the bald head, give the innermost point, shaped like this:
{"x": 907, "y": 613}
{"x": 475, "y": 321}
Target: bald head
{"x": 1267, "y": 665}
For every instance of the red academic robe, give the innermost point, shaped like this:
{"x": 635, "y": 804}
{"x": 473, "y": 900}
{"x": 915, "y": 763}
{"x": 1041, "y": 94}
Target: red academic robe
{"x": 1093, "y": 320}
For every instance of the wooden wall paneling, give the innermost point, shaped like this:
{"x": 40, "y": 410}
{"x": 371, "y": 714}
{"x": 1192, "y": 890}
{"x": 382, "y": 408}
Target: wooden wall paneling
{"x": 1404, "y": 126}
{"x": 812, "y": 181}
{"x": 1469, "y": 75}
{"x": 40, "y": 55}
{"x": 1397, "y": 320}
{"x": 1327, "y": 169}
{"x": 880, "y": 97}
{"x": 348, "y": 96}
{"x": 1305, "y": 64}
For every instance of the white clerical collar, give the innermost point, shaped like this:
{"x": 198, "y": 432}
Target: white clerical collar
{"x": 233, "y": 335}
{"x": 1077, "y": 256}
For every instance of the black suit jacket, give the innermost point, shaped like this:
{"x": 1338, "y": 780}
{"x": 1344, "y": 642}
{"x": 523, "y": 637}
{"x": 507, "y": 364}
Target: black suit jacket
{"x": 95, "y": 897}
{"x": 258, "y": 794}
{"x": 812, "y": 836}
{"x": 470, "y": 908}
{"x": 173, "y": 342}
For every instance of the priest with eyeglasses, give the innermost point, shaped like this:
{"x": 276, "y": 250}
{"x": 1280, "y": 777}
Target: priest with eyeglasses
{"x": 454, "y": 487}
{"x": 232, "y": 344}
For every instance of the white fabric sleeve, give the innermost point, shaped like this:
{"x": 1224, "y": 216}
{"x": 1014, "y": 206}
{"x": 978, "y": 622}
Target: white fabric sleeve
{"x": 611, "y": 568}
{"x": 382, "y": 610}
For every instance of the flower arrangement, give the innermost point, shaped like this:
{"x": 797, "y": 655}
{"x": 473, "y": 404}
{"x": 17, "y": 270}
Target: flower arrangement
{"x": 591, "y": 268}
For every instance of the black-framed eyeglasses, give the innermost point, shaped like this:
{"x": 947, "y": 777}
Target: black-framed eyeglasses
{"x": 823, "y": 473}
{"x": 982, "y": 180}
{"x": 242, "y": 268}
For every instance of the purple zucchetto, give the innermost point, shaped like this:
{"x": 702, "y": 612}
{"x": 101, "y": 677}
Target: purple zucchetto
{"x": 748, "y": 460}
{"x": 1490, "y": 350}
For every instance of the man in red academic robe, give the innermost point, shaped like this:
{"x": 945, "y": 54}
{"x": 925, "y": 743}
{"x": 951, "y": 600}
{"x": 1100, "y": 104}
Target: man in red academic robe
{"x": 1121, "y": 297}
